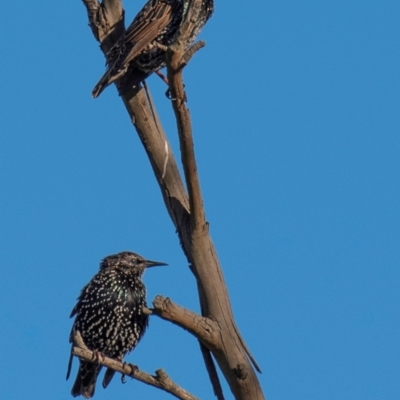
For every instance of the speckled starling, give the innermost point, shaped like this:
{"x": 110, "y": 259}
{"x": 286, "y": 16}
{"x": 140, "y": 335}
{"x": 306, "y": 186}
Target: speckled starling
{"x": 136, "y": 51}
{"x": 109, "y": 315}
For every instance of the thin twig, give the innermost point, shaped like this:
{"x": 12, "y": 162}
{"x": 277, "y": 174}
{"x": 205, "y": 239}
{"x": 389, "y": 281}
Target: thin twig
{"x": 191, "y": 51}
{"x": 212, "y": 372}
{"x": 174, "y": 67}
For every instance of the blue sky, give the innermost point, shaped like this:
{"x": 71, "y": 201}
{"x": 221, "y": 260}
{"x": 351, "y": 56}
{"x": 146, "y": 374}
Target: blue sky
{"x": 295, "y": 109}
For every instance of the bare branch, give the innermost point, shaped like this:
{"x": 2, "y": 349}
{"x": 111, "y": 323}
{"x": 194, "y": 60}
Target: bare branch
{"x": 160, "y": 381}
{"x": 144, "y": 117}
{"x": 191, "y": 51}
{"x": 182, "y": 115}
{"x": 175, "y": 56}
{"x": 204, "y": 329}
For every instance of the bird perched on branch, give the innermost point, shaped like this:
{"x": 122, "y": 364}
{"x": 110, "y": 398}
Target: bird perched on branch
{"x": 109, "y": 316}
{"x": 141, "y": 48}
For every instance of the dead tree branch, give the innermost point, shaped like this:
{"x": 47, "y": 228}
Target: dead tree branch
{"x": 204, "y": 329}
{"x": 184, "y": 207}
{"x": 160, "y": 380}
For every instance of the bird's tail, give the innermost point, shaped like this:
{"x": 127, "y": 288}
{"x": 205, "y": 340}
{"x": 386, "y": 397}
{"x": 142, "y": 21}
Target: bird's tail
{"x": 85, "y": 381}
{"x": 110, "y": 76}
{"x": 107, "y": 377}
{"x": 102, "y": 84}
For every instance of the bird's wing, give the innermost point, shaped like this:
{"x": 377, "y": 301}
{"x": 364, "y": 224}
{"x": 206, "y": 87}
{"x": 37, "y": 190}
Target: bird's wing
{"x": 79, "y": 301}
{"x": 147, "y": 25}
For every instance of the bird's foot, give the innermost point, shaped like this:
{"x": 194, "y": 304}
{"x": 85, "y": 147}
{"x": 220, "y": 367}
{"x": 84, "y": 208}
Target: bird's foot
{"x": 160, "y": 46}
{"x": 97, "y": 355}
{"x": 169, "y": 95}
{"x": 133, "y": 369}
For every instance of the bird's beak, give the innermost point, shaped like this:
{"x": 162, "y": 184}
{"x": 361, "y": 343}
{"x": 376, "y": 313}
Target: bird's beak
{"x": 149, "y": 264}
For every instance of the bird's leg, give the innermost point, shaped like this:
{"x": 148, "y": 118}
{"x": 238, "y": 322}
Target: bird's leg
{"x": 165, "y": 79}
{"x": 133, "y": 369}
{"x": 162, "y": 76}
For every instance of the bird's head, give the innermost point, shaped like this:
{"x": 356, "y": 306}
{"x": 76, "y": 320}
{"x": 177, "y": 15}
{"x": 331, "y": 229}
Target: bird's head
{"x": 129, "y": 261}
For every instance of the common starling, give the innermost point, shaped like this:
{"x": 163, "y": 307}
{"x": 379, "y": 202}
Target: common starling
{"x": 136, "y": 51}
{"x": 109, "y": 316}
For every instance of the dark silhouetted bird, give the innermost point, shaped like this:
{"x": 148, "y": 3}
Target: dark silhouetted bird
{"x": 157, "y": 22}
{"x": 109, "y": 316}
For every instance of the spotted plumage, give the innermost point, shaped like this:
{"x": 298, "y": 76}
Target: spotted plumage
{"x": 109, "y": 315}
{"x": 136, "y": 51}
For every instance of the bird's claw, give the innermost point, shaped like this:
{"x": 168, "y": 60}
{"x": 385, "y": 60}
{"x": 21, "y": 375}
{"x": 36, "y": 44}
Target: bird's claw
{"x": 133, "y": 368}
{"x": 97, "y": 355}
{"x": 168, "y": 94}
